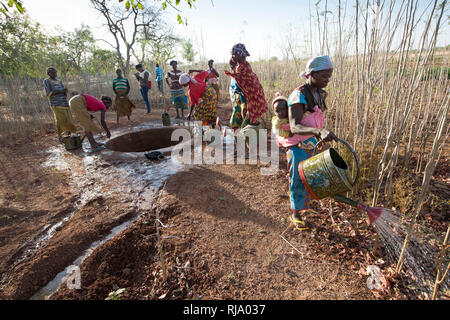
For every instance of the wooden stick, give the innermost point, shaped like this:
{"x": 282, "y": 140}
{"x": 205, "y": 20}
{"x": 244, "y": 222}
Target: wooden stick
{"x": 330, "y": 211}
{"x": 442, "y": 254}
{"x": 375, "y": 246}
{"x": 291, "y": 245}
{"x": 303, "y": 256}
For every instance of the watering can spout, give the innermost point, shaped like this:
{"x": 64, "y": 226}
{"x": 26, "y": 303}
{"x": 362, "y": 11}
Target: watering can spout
{"x": 373, "y": 212}
{"x": 373, "y": 216}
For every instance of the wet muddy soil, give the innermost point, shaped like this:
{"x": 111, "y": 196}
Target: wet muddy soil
{"x": 55, "y": 204}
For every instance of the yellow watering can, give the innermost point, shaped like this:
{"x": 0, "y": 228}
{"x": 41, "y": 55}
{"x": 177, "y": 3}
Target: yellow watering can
{"x": 325, "y": 175}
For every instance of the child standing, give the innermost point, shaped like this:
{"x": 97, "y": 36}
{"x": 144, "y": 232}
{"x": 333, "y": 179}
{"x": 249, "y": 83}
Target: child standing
{"x": 123, "y": 104}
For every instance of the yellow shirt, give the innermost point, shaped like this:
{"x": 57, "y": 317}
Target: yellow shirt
{"x": 276, "y": 127}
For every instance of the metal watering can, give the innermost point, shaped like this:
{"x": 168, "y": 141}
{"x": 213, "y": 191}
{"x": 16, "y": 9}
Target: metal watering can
{"x": 325, "y": 175}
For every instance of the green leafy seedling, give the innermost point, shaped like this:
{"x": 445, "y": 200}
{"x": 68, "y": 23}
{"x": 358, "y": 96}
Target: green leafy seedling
{"x": 115, "y": 295}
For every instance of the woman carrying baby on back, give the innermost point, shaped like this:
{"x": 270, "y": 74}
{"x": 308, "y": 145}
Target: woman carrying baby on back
{"x": 299, "y": 125}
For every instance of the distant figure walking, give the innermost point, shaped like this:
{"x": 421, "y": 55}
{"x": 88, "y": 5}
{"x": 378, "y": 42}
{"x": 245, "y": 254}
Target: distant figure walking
{"x": 143, "y": 76}
{"x": 211, "y": 79}
{"x": 179, "y": 99}
{"x": 123, "y": 104}
{"x": 81, "y": 105}
{"x": 159, "y": 78}
{"x": 57, "y": 97}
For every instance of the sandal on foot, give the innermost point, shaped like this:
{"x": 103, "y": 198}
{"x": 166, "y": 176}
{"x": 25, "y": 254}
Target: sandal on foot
{"x": 298, "y": 223}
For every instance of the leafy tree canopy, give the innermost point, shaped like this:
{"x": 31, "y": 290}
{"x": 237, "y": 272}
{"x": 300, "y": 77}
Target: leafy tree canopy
{"x": 18, "y": 4}
{"x": 6, "y": 4}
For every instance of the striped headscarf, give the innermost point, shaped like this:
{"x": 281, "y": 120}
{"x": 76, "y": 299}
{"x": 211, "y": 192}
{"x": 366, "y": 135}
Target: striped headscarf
{"x": 239, "y": 50}
{"x": 317, "y": 63}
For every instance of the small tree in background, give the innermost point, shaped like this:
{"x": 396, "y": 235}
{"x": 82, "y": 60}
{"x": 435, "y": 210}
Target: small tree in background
{"x": 163, "y": 48}
{"x": 101, "y": 61}
{"x": 23, "y": 47}
{"x": 158, "y": 46}
{"x": 76, "y": 46}
{"x": 188, "y": 51}
{"x": 125, "y": 26}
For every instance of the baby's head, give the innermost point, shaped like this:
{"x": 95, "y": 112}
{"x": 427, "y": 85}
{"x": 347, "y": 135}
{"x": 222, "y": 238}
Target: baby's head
{"x": 280, "y": 106}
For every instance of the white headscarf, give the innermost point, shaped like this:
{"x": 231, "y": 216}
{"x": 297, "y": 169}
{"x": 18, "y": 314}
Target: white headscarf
{"x": 185, "y": 78}
{"x": 317, "y": 63}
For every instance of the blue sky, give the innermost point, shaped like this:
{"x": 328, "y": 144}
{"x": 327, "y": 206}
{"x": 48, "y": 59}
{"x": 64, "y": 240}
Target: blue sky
{"x": 262, "y": 25}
